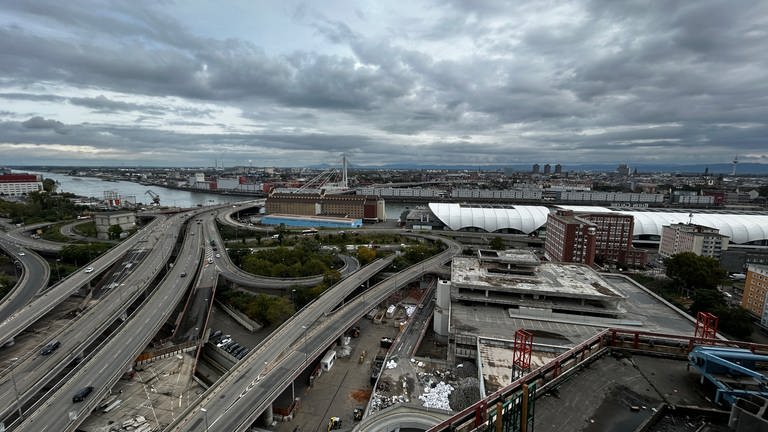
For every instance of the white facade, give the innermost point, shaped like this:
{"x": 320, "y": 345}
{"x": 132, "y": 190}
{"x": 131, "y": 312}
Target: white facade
{"x": 701, "y": 240}
{"x": 16, "y": 188}
{"x": 740, "y": 228}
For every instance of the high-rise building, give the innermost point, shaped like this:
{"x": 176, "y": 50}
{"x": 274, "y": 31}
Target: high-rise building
{"x": 547, "y": 168}
{"x": 535, "y": 169}
{"x": 755, "y": 290}
{"x": 570, "y": 239}
{"x": 592, "y": 237}
{"x": 558, "y": 169}
{"x": 699, "y": 239}
{"x": 623, "y": 170}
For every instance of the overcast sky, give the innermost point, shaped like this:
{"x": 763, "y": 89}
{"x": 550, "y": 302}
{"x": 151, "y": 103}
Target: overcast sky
{"x": 291, "y": 83}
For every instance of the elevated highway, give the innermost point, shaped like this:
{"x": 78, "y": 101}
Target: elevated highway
{"x": 42, "y": 304}
{"x": 246, "y": 391}
{"x": 57, "y": 411}
{"x": 20, "y": 236}
{"x": 34, "y": 277}
{"x": 33, "y": 371}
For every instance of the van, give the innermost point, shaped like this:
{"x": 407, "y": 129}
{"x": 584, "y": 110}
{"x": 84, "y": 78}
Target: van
{"x": 50, "y": 347}
{"x": 82, "y": 394}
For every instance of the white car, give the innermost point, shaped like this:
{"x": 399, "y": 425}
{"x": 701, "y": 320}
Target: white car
{"x": 218, "y": 255}
{"x": 89, "y": 270}
{"x": 21, "y": 254}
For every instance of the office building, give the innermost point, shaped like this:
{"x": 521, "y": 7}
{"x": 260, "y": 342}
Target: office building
{"x": 589, "y": 238}
{"x": 20, "y": 184}
{"x": 699, "y": 239}
{"x": 362, "y": 207}
{"x": 755, "y": 290}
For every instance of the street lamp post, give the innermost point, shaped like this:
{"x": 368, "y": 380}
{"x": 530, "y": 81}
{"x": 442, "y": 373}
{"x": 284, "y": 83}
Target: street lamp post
{"x": 15, "y": 389}
{"x": 205, "y": 417}
{"x": 306, "y": 353}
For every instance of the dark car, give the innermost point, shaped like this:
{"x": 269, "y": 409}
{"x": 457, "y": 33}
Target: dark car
{"x": 82, "y": 394}
{"x": 232, "y": 348}
{"x": 50, "y": 347}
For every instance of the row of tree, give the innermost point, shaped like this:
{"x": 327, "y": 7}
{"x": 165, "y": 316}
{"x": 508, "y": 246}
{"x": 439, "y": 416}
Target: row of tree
{"x": 699, "y": 278}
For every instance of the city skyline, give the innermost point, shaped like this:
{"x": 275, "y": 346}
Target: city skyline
{"x": 433, "y": 83}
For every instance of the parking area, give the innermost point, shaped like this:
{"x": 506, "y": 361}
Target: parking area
{"x": 336, "y": 393}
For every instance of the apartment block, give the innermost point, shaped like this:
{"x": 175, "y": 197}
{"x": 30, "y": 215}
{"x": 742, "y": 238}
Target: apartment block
{"x": 592, "y": 237}
{"x": 755, "y": 290}
{"x": 699, "y": 239}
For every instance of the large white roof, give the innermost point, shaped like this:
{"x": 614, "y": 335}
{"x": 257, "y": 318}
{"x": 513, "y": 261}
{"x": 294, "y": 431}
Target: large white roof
{"x": 741, "y": 228}
{"x": 525, "y": 219}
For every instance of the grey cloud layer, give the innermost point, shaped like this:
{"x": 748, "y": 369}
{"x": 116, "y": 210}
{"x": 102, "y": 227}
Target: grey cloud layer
{"x": 525, "y": 79}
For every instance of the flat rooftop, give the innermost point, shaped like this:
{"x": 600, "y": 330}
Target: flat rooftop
{"x": 510, "y": 256}
{"x": 565, "y": 280}
{"x": 618, "y": 393}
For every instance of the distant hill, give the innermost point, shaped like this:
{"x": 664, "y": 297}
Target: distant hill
{"x": 742, "y": 168}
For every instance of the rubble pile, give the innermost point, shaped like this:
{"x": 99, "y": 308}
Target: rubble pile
{"x": 437, "y": 396}
{"x": 136, "y": 423}
{"x": 409, "y": 310}
{"x": 380, "y": 402}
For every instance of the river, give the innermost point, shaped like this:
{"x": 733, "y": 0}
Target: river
{"x": 93, "y": 187}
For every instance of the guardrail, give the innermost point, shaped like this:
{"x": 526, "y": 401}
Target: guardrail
{"x": 561, "y": 367}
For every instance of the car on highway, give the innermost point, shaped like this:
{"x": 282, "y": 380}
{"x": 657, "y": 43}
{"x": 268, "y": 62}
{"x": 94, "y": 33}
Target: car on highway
{"x": 21, "y": 254}
{"x": 50, "y": 347}
{"x": 82, "y": 394}
{"x": 218, "y": 255}
{"x": 89, "y": 270}
{"x": 183, "y": 274}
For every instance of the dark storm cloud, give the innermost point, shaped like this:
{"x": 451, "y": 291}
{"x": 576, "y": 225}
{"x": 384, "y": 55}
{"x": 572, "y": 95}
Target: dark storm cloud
{"x": 595, "y": 79}
{"x": 41, "y": 123}
{"x": 102, "y": 103}
{"x": 32, "y": 97}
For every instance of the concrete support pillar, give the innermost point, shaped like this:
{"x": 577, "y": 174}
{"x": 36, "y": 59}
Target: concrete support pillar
{"x": 267, "y": 417}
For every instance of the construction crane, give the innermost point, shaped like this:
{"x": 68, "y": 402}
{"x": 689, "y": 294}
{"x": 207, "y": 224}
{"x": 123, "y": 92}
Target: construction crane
{"x": 155, "y": 197}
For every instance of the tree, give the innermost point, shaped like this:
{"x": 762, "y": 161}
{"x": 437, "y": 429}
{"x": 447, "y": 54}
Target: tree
{"x": 114, "y": 232}
{"x": 49, "y": 185}
{"x": 497, "y": 243}
{"x": 691, "y": 272}
{"x": 330, "y": 277}
{"x": 365, "y": 255}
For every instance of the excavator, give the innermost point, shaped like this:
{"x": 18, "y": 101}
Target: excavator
{"x": 334, "y": 423}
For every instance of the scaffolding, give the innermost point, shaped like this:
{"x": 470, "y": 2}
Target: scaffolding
{"x": 523, "y": 348}
{"x": 706, "y": 326}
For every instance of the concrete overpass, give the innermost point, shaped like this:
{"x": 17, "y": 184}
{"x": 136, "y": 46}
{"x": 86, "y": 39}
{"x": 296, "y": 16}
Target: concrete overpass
{"x": 248, "y": 390}
{"x": 33, "y": 279}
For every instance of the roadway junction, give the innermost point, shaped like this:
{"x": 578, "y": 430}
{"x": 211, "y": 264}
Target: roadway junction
{"x": 141, "y": 282}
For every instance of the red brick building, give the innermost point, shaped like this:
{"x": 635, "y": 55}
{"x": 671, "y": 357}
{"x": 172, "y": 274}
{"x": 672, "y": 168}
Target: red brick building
{"x": 588, "y": 238}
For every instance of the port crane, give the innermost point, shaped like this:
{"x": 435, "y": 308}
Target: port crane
{"x": 155, "y": 197}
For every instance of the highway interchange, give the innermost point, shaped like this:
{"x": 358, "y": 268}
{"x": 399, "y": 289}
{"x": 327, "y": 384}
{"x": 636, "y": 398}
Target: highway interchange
{"x": 233, "y": 403}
